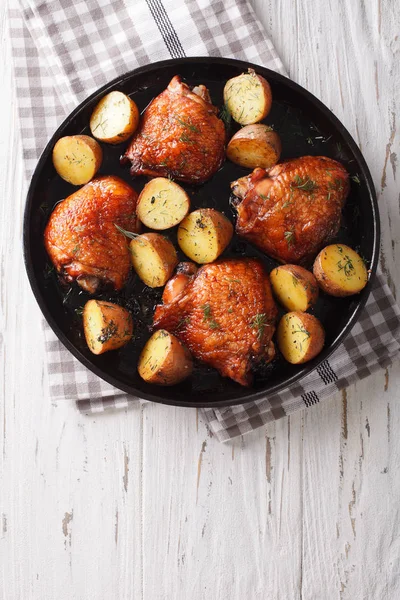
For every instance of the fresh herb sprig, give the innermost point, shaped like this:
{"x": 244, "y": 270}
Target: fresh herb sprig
{"x": 289, "y": 237}
{"x": 259, "y": 322}
{"x": 128, "y": 234}
{"x": 208, "y": 317}
{"x": 303, "y": 183}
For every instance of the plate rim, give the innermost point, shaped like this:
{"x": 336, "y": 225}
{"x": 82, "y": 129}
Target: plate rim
{"x": 252, "y": 395}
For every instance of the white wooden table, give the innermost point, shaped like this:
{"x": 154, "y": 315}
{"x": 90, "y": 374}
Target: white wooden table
{"x": 145, "y": 504}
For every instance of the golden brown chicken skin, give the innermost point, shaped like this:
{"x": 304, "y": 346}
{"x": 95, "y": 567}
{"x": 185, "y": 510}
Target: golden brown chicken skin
{"x": 293, "y": 209}
{"x": 82, "y": 240}
{"x": 225, "y": 316}
{"x": 179, "y": 136}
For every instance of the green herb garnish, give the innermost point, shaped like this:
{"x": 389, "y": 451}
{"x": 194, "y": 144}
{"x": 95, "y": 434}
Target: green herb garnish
{"x": 186, "y": 139}
{"x": 183, "y": 321}
{"x": 128, "y": 234}
{"x": 306, "y": 333}
{"x": 48, "y": 270}
{"x": 303, "y": 183}
{"x": 347, "y": 266}
{"x": 101, "y": 124}
{"x": 108, "y": 332}
{"x": 259, "y": 323}
{"x": 289, "y": 237}
{"x": 208, "y": 317}
{"x": 188, "y": 125}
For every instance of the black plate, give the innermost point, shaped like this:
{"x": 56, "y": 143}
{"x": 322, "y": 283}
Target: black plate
{"x": 305, "y": 126}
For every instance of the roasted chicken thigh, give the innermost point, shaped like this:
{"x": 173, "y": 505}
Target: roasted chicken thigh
{"x": 81, "y": 237}
{"x": 293, "y": 209}
{"x": 225, "y": 314}
{"x": 179, "y": 136}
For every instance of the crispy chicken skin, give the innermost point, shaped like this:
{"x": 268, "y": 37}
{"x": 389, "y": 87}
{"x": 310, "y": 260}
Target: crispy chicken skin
{"x": 179, "y": 136}
{"x": 82, "y": 240}
{"x": 293, "y": 209}
{"x": 225, "y": 316}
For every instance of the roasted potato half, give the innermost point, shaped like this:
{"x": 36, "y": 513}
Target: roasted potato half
{"x": 300, "y": 337}
{"x": 255, "y": 146}
{"x": 114, "y": 119}
{"x": 164, "y": 360}
{"x": 107, "y": 326}
{"x": 204, "y": 234}
{"x": 340, "y": 271}
{"x": 77, "y": 158}
{"x": 154, "y": 258}
{"x": 248, "y": 97}
{"x": 162, "y": 204}
{"x": 294, "y": 287}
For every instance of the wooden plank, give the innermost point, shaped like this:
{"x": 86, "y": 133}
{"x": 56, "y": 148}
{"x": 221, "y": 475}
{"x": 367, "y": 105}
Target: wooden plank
{"x": 219, "y": 519}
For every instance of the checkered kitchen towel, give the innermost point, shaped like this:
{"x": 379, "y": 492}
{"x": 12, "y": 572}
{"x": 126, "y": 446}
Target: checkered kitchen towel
{"x": 65, "y": 49}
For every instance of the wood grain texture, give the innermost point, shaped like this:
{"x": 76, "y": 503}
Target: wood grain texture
{"x": 145, "y": 504}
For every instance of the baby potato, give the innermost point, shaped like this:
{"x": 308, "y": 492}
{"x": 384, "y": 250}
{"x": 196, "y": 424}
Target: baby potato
{"x": 154, "y": 258}
{"x": 114, "y": 119}
{"x": 164, "y": 360}
{"x": 77, "y": 158}
{"x": 204, "y": 234}
{"x": 248, "y": 97}
{"x": 162, "y": 204}
{"x": 255, "y": 146}
{"x": 340, "y": 271}
{"x": 107, "y": 326}
{"x": 300, "y": 337}
{"x": 295, "y": 287}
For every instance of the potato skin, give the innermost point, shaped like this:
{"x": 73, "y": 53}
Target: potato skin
{"x": 334, "y": 281}
{"x": 77, "y": 170}
{"x": 172, "y": 366}
{"x": 301, "y": 281}
{"x": 313, "y": 330}
{"x": 239, "y": 97}
{"x": 195, "y": 239}
{"x": 165, "y": 251}
{"x": 255, "y": 146}
{"x": 107, "y": 326}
